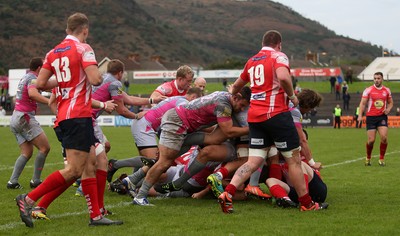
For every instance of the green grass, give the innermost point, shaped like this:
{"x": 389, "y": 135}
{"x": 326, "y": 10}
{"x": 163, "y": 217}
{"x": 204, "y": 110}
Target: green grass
{"x": 363, "y": 200}
{"x": 319, "y": 86}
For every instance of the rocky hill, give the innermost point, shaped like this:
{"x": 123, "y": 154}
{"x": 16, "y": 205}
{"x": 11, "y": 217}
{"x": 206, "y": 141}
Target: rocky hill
{"x": 205, "y": 32}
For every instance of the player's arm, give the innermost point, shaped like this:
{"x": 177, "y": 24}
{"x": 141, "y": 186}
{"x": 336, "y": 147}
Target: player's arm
{"x": 285, "y": 80}
{"x": 93, "y": 75}
{"x": 108, "y": 106}
{"x": 232, "y": 131}
{"x": 36, "y": 96}
{"x": 43, "y": 81}
{"x": 305, "y": 149}
{"x": 53, "y": 103}
{"x": 138, "y": 101}
{"x": 123, "y": 110}
{"x": 362, "y": 105}
{"x": 237, "y": 86}
{"x": 389, "y": 106}
{"x": 156, "y": 95}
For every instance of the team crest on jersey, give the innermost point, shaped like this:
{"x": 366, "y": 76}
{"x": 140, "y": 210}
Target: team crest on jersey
{"x": 89, "y": 56}
{"x": 119, "y": 91}
{"x": 379, "y": 104}
{"x": 227, "y": 112}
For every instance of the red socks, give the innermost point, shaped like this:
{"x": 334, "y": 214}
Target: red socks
{"x": 52, "y": 182}
{"x": 277, "y": 191}
{"x": 369, "y": 150}
{"x": 275, "y": 171}
{"x": 382, "y": 152}
{"x": 305, "y": 200}
{"x": 224, "y": 172}
{"x": 101, "y": 177}
{"x": 231, "y": 189}
{"x": 89, "y": 187}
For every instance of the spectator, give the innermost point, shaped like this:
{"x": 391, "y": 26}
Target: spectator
{"x": 345, "y": 87}
{"x": 337, "y": 90}
{"x": 357, "y": 111}
{"x": 340, "y": 79}
{"x": 346, "y": 100}
{"x": 337, "y": 113}
{"x": 332, "y": 80}
{"x": 349, "y": 75}
{"x": 224, "y": 83}
{"x": 2, "y": 111}
{"x": 126, "y": 85}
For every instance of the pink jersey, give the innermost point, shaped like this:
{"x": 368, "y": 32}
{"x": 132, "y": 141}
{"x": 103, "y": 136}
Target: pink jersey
{"x": 206, "y": 111}
{"x": 154, "y": 115}
{"x": 67, "y": 61}
{"x": 22, "y": 101}
{"x": 170, "y": 89}
{"x": 267, "y": 96}
{"x": 377, "y": 99}
{"x": 110, "y": 88}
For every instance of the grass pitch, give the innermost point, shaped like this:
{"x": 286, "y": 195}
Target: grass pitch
{"x": 363, "y": 200}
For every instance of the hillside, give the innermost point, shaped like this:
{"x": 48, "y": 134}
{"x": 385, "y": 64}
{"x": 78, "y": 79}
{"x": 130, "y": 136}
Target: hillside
{"x": 203, "y": 32}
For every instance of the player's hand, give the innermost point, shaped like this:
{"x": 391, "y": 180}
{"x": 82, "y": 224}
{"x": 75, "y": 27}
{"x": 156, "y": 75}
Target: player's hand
{"x": 141, "y": 114}
{"x": 295, "y": 101}
{"x": 386, "y": 111}
{"x": 317, "y": 166}
{"x": 229, "y": 88}
{"x": 110, "y": 106}
{"x": 359, "y": 119}
{"x": 159, "y": 99}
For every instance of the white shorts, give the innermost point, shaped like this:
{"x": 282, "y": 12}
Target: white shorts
{"x": 143, "y": 134}
{"x": 24, "y": 126}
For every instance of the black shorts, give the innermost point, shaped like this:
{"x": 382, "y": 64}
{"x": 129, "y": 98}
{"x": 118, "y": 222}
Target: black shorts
{"x": 373, "y": 122}
{"x": 77, "y": 134}
{"x": 59, "y": 135}
{"x": 317, "y": 190}
{"x": 278, "y": 130}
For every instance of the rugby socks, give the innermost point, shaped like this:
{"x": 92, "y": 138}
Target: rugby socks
{"x": 53, "y": 181}
{"x": 39, "y": 163}
{"x": 89, "y": 187}
{"x": 194, "y": 168}
{"x": 130, "y": 162}
{"x": 143, "y": 191}
{"x": 382, "y": 152}
{"x": 305, "y": 200}
{"x": 231, "y": 189}
{"x": 48, "y": 198}
{"x": 278, "y": 191}
{"x": 101, "y": 177}
{"x": 369, "y": 150}
{"x": 223, "y": 172}
{"x": 18, "y": 168}
{"x": 137, "y": 176}
{"x": 275, "y": 171}
{"x": 255, "y": 177}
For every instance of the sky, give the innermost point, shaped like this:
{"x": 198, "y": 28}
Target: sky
{"x": 367, "y": 20}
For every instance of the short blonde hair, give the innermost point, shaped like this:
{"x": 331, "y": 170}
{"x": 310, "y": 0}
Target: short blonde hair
{"x": 183, "y": 71}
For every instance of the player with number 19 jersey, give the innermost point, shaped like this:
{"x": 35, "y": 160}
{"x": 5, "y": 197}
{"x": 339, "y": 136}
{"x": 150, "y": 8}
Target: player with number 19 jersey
{"x": 71, "y": 57}
{"x": 267, "y": 96}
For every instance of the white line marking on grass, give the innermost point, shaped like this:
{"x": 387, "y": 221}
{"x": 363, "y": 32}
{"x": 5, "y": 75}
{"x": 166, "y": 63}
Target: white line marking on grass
{"x": 67, "y": 214}
{"x": 4, "y": 167}
{"x": 358, "y": 159}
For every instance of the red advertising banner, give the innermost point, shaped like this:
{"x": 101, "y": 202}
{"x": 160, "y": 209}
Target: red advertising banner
{"x": 309, "y": 72}
{"x": 349, "y": 122}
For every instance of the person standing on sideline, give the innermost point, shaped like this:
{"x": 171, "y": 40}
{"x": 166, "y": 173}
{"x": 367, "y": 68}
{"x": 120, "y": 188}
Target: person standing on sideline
{"x": 269, "y": 118}
{"x": 337, "y": 113}
{"x": 2, "y": 111}
{"x": 337, "y": 90}
{"x": 26, "y": 128}
{"x": 74, "y": 65}
{"x": 379, "y": 102}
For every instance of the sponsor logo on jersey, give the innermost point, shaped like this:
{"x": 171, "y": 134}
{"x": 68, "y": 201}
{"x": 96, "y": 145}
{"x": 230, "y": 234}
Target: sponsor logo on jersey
{"x": 65, "y": 93}
{"x": 281, "y": 144}
{"x": 258, "y": 58}
{"x": 258, "y": 96}
{"x": 257, "y": 141}
{"x": 58, "y": 50}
